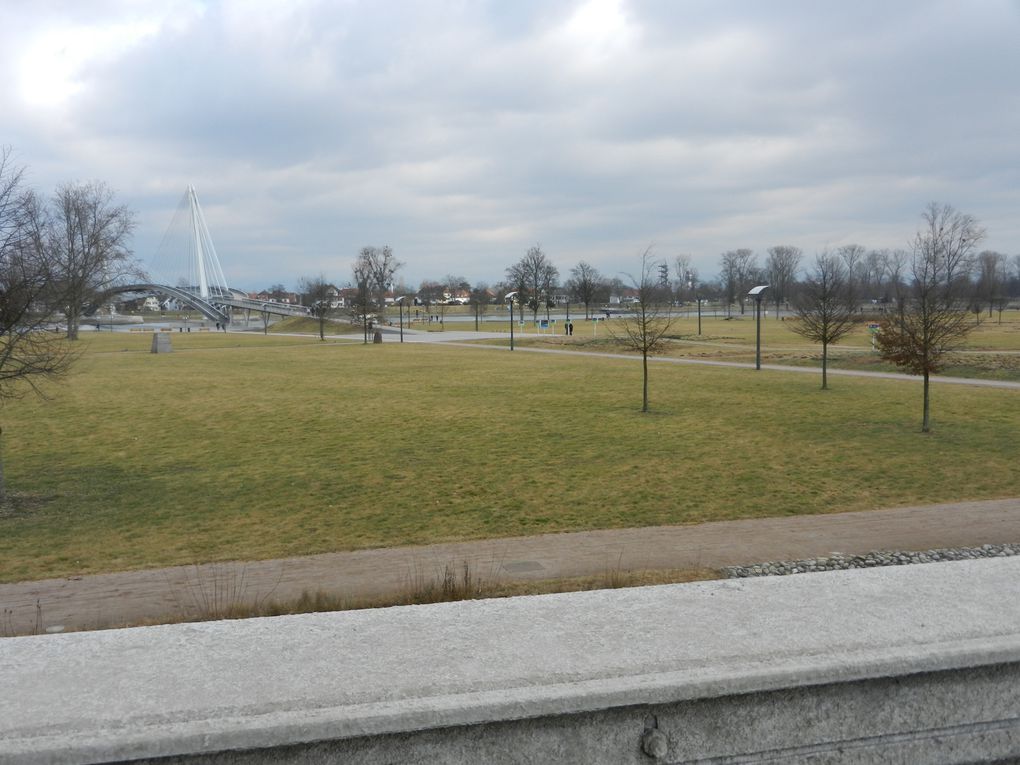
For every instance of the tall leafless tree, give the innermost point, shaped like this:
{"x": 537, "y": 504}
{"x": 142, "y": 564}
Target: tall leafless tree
{"x": 739, "y": 267}
{"x": 379, "y": 266}
{"x": 685, "y": 279}
{"x": 362, "y": 302}
{"x": 29, "y": 296}
{"x": 853, "y": 258}
{"x": 536, "y": 275}
{"x": 584, "y": 284}
{"x": 824, "y": 307}
{"x": 781, "y": 272}
{"x": 373, "y": 271}
{"x": 991, "y": 278}
{"x": 646, "y": 331}
{"x": 895, "y": 269}
{"x": 933, "y": 318}
{"x": 88, "y": 240}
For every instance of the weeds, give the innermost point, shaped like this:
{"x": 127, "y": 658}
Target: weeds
{"x": 223, "y": 591}
{"x": 218, "y": 591}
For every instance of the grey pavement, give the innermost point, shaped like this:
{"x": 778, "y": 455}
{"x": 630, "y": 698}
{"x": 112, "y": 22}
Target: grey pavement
{"x": 160, "y": 594}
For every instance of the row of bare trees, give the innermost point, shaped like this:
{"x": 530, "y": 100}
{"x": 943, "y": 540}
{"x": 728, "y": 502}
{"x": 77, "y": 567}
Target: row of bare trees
{"x": 987, "y": 280}
{"x": 928, "y": 321}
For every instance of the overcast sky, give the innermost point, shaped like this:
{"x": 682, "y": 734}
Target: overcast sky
{"x": 461, "y": 133}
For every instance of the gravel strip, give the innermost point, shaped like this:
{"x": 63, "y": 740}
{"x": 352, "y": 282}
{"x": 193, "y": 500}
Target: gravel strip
{"x": 837, "y": 561}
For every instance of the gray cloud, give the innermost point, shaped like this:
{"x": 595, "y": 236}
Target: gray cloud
{"x": 461, "y": 133}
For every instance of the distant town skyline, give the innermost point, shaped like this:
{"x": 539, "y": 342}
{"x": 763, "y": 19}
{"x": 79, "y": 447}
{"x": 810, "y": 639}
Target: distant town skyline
{"x": 461, "y": 134}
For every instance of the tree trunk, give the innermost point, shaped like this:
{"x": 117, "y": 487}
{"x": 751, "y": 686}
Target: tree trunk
{"x": 72, "y": 325}
{"x": 322, "y": 327}
{"x": 927, "y": 408}
{"x": 644, "y": 390}
{"x": 825, "y": 364}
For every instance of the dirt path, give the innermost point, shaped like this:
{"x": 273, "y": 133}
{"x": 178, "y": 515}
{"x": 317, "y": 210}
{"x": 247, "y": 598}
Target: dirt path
{"x": 137, "y": 596}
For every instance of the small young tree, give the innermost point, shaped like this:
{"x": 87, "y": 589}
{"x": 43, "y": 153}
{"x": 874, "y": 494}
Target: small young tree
{"x": 824, "y": 307}
{"x": 318, "y": 293}
{"x": 646, "y": 331}
{"x": 932, "y": 319}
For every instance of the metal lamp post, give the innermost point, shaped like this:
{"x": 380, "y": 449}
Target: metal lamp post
{"x": 400, "y": 307}
{"x": 510, "y": 299}
{"x": 756, "y": 293}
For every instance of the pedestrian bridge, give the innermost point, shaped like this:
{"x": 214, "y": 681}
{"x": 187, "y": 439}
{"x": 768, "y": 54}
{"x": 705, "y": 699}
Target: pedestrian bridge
{"x": 187, "y": 258}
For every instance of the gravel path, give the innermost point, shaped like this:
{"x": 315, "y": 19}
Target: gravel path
{"x": 839, "y": 561}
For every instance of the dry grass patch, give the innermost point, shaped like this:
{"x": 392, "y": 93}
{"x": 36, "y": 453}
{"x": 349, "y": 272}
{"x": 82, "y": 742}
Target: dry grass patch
{"x": 297, "y": 447}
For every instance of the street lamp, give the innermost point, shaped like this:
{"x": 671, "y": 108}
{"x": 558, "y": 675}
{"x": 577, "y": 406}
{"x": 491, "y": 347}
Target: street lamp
{"x": 756, "y": 293}
{"x": 400, "y": 306}
{"x": 510, "y": 296}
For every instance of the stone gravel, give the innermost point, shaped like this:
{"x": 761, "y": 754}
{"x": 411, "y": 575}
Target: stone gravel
{"x": 839, "y": 561}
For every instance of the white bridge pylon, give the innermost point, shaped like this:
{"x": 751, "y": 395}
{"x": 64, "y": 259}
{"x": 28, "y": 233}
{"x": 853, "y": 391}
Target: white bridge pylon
{"x": 187, "y": 257}
{"x": 187, "y": 269}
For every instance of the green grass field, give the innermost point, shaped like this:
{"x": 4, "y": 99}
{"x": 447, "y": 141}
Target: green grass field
{"x": 252, "y": 446}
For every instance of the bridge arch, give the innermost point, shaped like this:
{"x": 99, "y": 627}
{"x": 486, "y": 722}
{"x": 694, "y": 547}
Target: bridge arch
{"x": 207, "y": 308}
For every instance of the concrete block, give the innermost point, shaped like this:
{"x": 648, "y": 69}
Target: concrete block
{"x": 161, "y": 343}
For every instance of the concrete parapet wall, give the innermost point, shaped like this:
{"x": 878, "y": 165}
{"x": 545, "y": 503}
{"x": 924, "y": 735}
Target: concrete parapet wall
{"x": 908, "y": 664}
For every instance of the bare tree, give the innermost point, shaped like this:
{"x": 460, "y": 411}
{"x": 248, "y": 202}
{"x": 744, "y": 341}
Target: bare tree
{"x": 378, "y": 266}
{"x": 373, "y": 271}
{"x": 646, "y": 331}
{"x": 88, "y": 237}
{"x": 29, "y": 355}
{"x": 781, "y": 272}
{"x": 739, "y": 267}
{"x": 536, "y": 275}
{"x": 361, "y": 302}
{"x": 932, "y": 320}
{"x": 991, "y": 278}
{"x": 685, "y": 281}
{"x": 824, "y": 307}
{"x": 319, "y": 295}
{"x": 584, "y": 284}
{"x": 481, "y": 297}
{"x": 895, "y": 268}
{"x": 853, "y": 258}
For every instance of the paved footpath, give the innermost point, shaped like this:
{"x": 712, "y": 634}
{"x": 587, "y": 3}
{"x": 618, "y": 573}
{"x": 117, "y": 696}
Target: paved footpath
{"x": 152, "y": 595}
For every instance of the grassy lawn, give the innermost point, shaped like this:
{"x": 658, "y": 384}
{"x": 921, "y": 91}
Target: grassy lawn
{"x": 252, "y": 446}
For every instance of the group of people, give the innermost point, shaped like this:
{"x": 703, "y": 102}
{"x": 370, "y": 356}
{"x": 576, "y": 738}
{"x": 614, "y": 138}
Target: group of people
{"x": 568, "y": 328}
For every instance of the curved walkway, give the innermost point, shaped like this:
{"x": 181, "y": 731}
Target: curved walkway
{"x": 158, "y": 594}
